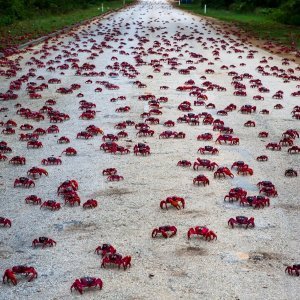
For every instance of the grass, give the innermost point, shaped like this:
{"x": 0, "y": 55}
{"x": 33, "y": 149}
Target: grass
{"x": 25, "y": 30}
{"x": 258, "y": 25}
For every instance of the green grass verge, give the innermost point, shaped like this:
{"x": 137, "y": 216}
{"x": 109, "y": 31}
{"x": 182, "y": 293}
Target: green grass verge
{"x": 25, "y": 30}
{"x": 259, "y": 25}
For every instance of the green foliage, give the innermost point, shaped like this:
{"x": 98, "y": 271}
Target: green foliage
{"x": 284, "y": 11}
{"x": 13, "y": 10}
{"x": 288, "y": 12}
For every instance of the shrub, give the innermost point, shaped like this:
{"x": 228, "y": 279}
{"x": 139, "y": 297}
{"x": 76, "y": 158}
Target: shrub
{"x": 288, "y": 13}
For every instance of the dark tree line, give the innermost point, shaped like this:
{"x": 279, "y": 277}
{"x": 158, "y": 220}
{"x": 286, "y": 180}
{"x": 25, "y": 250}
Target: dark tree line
{"x": 12, "y": 10}
{"x": 285, "y": 11}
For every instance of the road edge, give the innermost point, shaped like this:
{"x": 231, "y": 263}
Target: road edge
{"x": 68, "y": 28}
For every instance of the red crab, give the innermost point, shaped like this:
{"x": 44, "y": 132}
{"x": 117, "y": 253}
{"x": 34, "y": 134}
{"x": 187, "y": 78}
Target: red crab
{"x": 52, "y": 129}
{"x": 227, "y": 138}
{"x": 70, "y": 151}
{"x": 204, "y": 163}
{"x": 87, "y": 116}
{"x": 37, "y": 172}
{"x": 34, "y": 144}
{"x": 33, "y": 199}
{"x": 247, "y": 109}
{"x": 178, "y": 135}
{"x": 291, "y": 133}
{"x": 35, "y": 96}
{"x": 204, "y": 137}
{"x": 166, "y": 134}
{"x": 63, "y": 140}
{"x": 28, "y": 137}
{"x": 71, "y": 198}
{"x": 92, "y": 129}
{"x": 262, "y": 158}
{"x": 145, "y": 132}
{"x": 142, "y": 149}
{"x": 163, "y": 230}
{"x": 241, "y": 220}
{"x": 240, "y": 93}
{"x": 17, "y": 160}
{"x": 115, "y": 178}
{"x": 244, "y": 170}
{"x": 290, "y": 173}
{"x": 110, "y": 137}
{"x": 122, "y": 134}
{"x": 169, "y": 123}
{"x": 238, "y": 164}
{"x": 24, "y": 182}
{"x": 202, "y": 231}
{"x": 258, "y": 97}
{"x": 264, "y": 112}
{"x": 293, "y": 270}
{"x": 208, "y": 149}
{"x": 121, "y": 125}
{"x": 152, "y": 120}
{"x": 86, "y": 282}
{"x": 294, "y": 150}
{"x": 51, "y": 204}
{"x": 40, "y": 131}
{"x": 255, "y": 201}
{"x": 84, "y": 135}
{"x": 273, "y": 146}
{"x": 174, "y": 201}
{"x": 223, "y": 171}
{"x": 109, "y": 146}
{"x": 116, "y": 259}
{"x": 118, "y": 149}
{"x": 286, "y": 142}
{"x": 43, "y": 241}
{"x": 201, "y": 179}
{"x": 265, "y": 183}
{"x": 3, "y": 157}
{"x": 91, "y": 203}
{"x": 249, "y": 124}
{"x": 4, "y": 148}
{"x": 11, "y": 123}
{"x": 278, "y": 106}
{"x": 26, "y": 127}
{"x": 10, "y": 274}
{"x": 51, "y": 161}
{"x": 5, "y": 221}
{"x": 210, "y": 106}
{"x": 263, "y": 134}
{"x": 184, "y": 163}
{"x": 66, "y": 186}
{"x": 235, "y": 194}
{"x": 105, "y": 249}
{"x": 109, "y": 171}
{"x": 123, "y": 109}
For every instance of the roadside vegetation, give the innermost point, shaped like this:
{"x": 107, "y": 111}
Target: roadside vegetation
{"x": 272, "y": 20}
{"x": 24, "y": 20}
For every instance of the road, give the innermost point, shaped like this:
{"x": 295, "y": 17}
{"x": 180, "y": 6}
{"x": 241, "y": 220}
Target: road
{"x": 240, "y": 264}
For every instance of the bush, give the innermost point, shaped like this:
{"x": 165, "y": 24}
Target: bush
{"x": 264, "y": 11}
{"x": 20, "y": 9}
{"x": 242, "y": 6}
{"x": 288, "y": 13}
{"x": 6, "y": 20}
